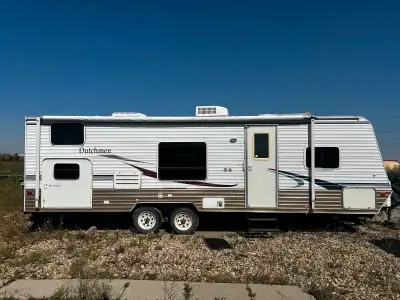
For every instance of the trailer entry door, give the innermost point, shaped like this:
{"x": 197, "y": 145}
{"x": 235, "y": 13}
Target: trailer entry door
{"x": 66, "y": 183}
{"x": 261, "y": 166}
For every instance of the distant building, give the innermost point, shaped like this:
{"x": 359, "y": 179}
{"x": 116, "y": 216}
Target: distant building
{"x": 391, "y": 164}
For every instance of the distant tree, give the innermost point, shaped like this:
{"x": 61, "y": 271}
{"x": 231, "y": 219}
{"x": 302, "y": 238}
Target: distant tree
{"x": 16, "y": 157}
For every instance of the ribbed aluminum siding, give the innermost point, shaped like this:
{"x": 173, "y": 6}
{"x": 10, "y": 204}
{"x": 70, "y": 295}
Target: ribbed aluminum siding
{"x": 360, "y": 164}
{"x": 300, "y": 199}
{"x": 360, "y": 158}
{"x": 30, "y": 154}
{"x": 141, "y": 143}
{"x": 292, "y": 140}
{"x": 125, "y": 200}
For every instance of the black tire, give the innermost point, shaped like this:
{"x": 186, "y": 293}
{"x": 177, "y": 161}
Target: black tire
{"x": 153, "y": 216}
{"x": 187, "y": 214}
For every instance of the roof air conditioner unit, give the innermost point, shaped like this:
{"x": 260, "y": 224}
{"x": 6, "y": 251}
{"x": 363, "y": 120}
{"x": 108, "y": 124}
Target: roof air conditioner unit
{"x": 211, "y": 111}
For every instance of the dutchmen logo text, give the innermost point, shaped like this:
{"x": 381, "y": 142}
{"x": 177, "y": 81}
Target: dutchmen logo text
{"x": 94, "y": 150}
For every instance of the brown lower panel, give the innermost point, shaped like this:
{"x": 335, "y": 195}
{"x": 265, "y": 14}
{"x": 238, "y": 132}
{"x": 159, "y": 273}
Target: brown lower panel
{"x": 299, "y": 211}
{"x": 300, "y": 199}
{"x": 324, "y": 200}
{"x": 110, "y": 200}
{"x": 126, "y": 199}
{"x": 232, "y": 210}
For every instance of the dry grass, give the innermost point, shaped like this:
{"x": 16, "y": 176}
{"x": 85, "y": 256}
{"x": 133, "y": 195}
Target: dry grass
{"x": 11, "y": 167}
{"x": 86, "y": 290}
{"x": 10, "y": 195}
{"x": 12, "y": 222}
{"x": 360, "y": 265}
{"x": 11, "y": 198}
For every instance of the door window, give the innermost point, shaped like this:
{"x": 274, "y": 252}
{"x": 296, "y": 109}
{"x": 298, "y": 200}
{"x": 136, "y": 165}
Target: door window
{"x": 261, "y": 146}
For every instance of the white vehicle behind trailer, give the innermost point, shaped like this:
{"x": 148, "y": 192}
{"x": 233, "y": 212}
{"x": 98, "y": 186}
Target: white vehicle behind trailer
{"x": 175, "y": 167}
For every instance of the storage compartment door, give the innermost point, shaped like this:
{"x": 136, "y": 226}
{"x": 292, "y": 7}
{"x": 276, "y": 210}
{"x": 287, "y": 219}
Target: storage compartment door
{"x": 359, "y": 198}
{"x": 66, "y": 183}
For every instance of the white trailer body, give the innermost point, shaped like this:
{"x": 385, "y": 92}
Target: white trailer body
{"x": 212, "y": 161}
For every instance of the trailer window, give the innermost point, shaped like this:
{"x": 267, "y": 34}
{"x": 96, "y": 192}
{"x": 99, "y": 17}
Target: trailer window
{"x": 66, "y": 171}
{"x": 261, "y": 146}
{"x": 325, "y": 157}
{"x": 67, "y": 133}
{"x": 182, "y": 161}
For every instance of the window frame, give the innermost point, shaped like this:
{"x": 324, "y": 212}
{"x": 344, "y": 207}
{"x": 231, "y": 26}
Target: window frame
{"x": 254, "y": 143}
{"x": 188, "y": 180}
{"x": 67, "y": 179}
{"x": 68, "y": 145}
{"x": 319, "y": 168}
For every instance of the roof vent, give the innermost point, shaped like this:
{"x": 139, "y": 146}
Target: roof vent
{"x": 127, "y": 114}
{"x": 211, "y": 111}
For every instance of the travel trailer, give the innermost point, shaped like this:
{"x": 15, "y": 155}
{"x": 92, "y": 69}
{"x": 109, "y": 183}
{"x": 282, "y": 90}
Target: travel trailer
{"x": 169, "y": 169}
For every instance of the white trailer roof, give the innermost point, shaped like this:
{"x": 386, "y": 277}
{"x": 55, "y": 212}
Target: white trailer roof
{"x": 278, "y": 117}
{"x": 203, "y": 114}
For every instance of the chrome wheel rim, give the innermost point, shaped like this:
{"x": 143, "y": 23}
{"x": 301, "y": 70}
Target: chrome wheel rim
{"x": 183, "y": 221}
{"x": 147, "y": 220}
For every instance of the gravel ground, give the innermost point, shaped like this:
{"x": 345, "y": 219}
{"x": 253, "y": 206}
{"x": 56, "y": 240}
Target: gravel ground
{"x": 338, "y": 265}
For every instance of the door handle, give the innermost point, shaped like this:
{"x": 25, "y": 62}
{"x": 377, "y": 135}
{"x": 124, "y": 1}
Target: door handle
{"x": 249, "y": 168}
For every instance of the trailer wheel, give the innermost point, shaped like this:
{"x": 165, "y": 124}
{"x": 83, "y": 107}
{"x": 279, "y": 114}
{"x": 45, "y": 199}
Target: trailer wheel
{"x": 146, "y": 220}
{"x": 184, "y": 221}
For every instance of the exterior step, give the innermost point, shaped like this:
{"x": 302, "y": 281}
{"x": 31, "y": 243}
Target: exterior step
{"x": 262, "y": 224}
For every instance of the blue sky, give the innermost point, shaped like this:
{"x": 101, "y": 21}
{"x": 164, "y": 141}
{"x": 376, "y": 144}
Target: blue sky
{"x": 165, "y": 57}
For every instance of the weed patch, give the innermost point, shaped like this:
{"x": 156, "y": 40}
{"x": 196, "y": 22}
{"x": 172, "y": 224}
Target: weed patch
{"x": 321, "y": 292}
{"x": 35, "y": 258}
{"x": 11, "y": 198}
{"x": 6, "y": 252}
